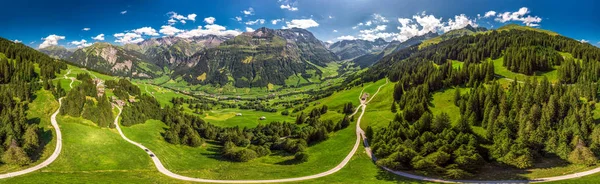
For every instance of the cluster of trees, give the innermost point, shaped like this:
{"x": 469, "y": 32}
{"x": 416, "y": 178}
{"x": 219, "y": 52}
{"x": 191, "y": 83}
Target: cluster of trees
{"x": 243, "y": 144}
{"x": 527, "y": 60}
{"x": 19, "y": 136}
{"x": 257, "y": 105}
{"x": 145, "y": 108}
{"x": 523, "y": 122}
{"x": 123, "y": 88}
{"x": 21, "y": 67}
{"x": 429, "y": 144}
{"x": 535, "y": 119}
{"x": 96, "y": 108}
{"x": 537, "y": 50}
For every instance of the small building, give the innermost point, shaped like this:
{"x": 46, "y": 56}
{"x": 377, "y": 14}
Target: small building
{"x": 120, "y": 103}
{"x": 263, "y": 118}
{"x": 364, "y": 96}
{"x": 238, "y": 114}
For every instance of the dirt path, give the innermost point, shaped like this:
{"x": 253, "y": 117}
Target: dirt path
{"x": 72, "y": 78}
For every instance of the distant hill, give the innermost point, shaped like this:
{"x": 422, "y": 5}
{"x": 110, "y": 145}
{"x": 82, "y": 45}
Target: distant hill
{"x": 394, "y": 46}
{"x": 55, "y": 51}
{"x": 525, "y": 28}
{"x": 348, "y": 49}
{"x": 468, "y": 30}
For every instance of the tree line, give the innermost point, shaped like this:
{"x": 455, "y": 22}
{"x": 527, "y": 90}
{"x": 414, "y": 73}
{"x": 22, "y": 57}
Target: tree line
{"x": 20, "y": 142}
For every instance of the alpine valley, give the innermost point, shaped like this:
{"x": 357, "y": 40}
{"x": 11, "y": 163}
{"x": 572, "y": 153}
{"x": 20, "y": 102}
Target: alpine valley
{"x": 448, "y": 101}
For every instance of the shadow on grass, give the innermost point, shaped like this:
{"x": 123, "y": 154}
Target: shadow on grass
{"x": 45, "y": 139}
{"x": 289, "y": 162}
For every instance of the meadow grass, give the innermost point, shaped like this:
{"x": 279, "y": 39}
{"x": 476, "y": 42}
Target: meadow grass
{"x": 379, "y": 113}
{"x": 503, "y": 71}
{"x": 249, "y": 118}
{"x": 206, "y": 161}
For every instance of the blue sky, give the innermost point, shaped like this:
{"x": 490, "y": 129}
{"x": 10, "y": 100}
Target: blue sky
{"x": 40, "y": 23}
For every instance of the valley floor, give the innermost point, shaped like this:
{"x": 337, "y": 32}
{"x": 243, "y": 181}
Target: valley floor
{"x": 100, "y": 155}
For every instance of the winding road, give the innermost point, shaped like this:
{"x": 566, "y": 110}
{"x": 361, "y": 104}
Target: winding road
{"x": 52, "y": 157}
{"x": 359, "y": 133}
{"x": 72, "y": 78}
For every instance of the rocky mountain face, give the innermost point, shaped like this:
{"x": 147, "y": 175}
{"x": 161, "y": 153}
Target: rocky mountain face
{"x": 55, "y": 51}
{"x": 348, "y": 49}
{"x": 174, "y": 52}
{"x": 394, "y": 46}
{"x": 265, "y": 56}
{"x": 114, "y": 60}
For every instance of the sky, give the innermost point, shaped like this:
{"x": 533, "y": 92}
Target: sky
{"x": 74, "y": 23}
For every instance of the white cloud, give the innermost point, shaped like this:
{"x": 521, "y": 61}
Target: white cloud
{"x": 123, "y": 12}
{"x": 404, "y": 21}
{"x": 100, "y": 37}
{"x": 212, "y": 29}
{"x": 347, "y": 37}
{"x": 379, "y": 19}
{"x": 192, "y": 17}
{"x": 172, "y": 21}
{"x": 288, "y": 7}
{"x": 460, "y": 21}
{"x": 81, "y": 44}
{"x": 490, "y": 14}
{"x": 375, "y": 33}
{"x": 584, "y": 41}
{"x": 51, "y": 40}
{"x": 335, "y": 31}
{"x": 301, "y": 23}
{"x": 330, "y": 16}
{"x": 17, "y": 41}
{"x": 86, "y": 29}
{"x": 126, "y": 38}
{"x": 146, "y": 31}
{"x": 257, "y": 21}
{"x": 239, "y": 19}
{"x": 210, "y": 20}
{"x": 520, "y": 17}
{"x": 174, "y": 17}
{"x": 428, "y": 23}
{"x": 248, "y": 12}
{"x": 275, "y": 21}
{"x": 376, "y": 19}
{"x": 407, "y": 32}
{"x": 169, "y": 30}
{"x": 249, "y": 29}
{"x": 422, "y": 24}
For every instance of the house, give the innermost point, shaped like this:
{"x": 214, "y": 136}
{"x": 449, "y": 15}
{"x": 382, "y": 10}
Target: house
{"x": 263, "y": 118}
{"x": 120, "y": 103}
{"x": 364, "y": 96}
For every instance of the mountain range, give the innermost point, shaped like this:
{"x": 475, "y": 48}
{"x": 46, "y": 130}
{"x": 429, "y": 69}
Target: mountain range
{"x": 252, "y": 59}
{"x": 348, "y": 49}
